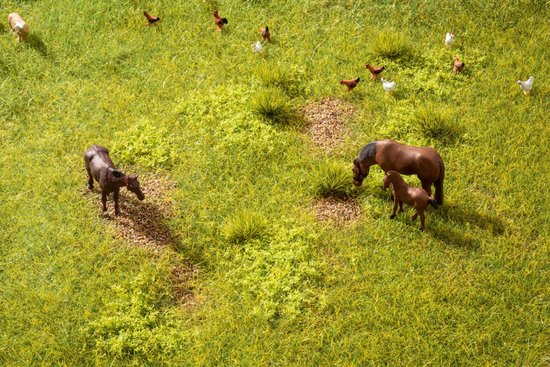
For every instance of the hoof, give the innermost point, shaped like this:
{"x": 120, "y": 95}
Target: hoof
{"x": 392, "y": 216}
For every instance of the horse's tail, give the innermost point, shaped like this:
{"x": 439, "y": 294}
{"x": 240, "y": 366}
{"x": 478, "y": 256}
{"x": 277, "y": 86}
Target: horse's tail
{"x": 439, "y": 184}
{"x": 433, "y": 203}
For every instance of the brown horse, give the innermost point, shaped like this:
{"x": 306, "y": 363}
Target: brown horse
{"x": 99, "y": 166}
{"x": 403, "y": 193}
{"x": 426, "y": 163}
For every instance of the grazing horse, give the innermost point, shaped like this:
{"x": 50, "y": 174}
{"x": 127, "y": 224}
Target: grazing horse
{"x": 101, "y": 168}
{"x": 403, "y": 193}
{"x": 426, "y": 163}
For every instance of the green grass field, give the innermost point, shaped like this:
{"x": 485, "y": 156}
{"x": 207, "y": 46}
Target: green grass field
{"x": 274, "y": 285}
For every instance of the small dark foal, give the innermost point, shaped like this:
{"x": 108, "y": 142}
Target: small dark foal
{"x": 100, "y": 167}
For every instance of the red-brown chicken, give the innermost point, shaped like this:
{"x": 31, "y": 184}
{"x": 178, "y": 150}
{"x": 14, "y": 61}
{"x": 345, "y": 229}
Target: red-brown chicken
{"x": 266, "y": 36}
{"x": 374, "y": 71}
{"x": 150, "y": 19}
{"x": 219, "y": 21}
{"x": 350, "y": 84}
{"x": 457, "y": 65}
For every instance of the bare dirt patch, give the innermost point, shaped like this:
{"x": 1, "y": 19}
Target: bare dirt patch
{"x": 338, "y": 211}
{"x": 183, "y": 284}
{"x": 325, "y": 121}
{"x": 142, "y": 223}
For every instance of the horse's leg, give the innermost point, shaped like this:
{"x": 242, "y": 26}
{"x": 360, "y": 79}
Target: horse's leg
{"x": 422, "y": 226}
{"x": 415, "y": 216}
{"x": 395, "y": 202}
{"x": 90, "y": 178}
{"x": 427, "y": 185}
{"x": 115, "y": 198}
{"x": 104, "y": 201}
{"x": 400, "y": 206}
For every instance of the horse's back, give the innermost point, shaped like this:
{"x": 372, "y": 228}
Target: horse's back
{"x": 97, "y": 152}
{"x": 407, "y": 159}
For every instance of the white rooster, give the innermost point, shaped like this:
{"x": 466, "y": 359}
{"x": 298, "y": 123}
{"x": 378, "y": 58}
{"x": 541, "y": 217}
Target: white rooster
{"x": 527, "y": 85}
{"x": 449, "y": 39}
{"x": 388, "y": 86}
{"x": 257, "y": 47}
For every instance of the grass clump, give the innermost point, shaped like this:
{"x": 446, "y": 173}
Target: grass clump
{"x": 243, "y": 226}
{"x": 274, "y": 75}
{"x": 331, "y": 179}
{"x": 272, "y": 104}
{"x": 146, "y": 144}
{"x": 435, "y": 122}
{"x": 391, "y": 44}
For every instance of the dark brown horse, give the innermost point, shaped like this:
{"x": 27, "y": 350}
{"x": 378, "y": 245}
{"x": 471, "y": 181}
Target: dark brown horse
{"x": 101, "y": 168}
{"x": 402, "y": 193}
{"x": 426, "y": 163}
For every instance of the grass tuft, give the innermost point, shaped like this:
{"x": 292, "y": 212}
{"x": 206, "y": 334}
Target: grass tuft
{"x": 435, "y": 122}
{"x": 274, "y": 75}
{"x": 243, "y": 226}
{"x": 391, "y": 44}
{"x": 272, "y": 104}
{"x": 331, "y": 179}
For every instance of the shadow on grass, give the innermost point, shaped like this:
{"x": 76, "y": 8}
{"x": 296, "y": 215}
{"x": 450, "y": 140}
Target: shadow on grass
{"x": 140, "y": 223}
{"x": 452, "y": 237}
{"x": 290, "y": 119}
{"x": 143, "y": 222}
{"x": 466, "y": 216}
{"x": 35, "y": 42}
{"x": 450, "y": 213}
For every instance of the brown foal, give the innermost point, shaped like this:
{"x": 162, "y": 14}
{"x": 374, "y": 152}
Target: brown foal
{"x": 402, "y": 193}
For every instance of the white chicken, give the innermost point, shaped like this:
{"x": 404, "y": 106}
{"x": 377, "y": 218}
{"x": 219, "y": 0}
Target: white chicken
{"x": 388, "y": 86}
{"x": 449, "y": 39}
{"x": 527, "y": 85}
{"x": 257, "y": 47}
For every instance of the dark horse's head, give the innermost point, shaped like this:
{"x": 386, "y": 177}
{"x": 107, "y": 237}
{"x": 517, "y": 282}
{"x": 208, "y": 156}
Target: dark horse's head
{"x": 368, "y": 153}
{"x": 132, "y": 184}
{"x": 358, "y": 173}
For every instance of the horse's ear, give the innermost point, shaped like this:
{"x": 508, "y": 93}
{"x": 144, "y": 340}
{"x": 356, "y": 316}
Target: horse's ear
{"x": 117, "y": 173}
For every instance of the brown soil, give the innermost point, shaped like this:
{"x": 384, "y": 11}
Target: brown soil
{"x": 338, "y": 211}
{"x": 183, "y": 285}
{"x": 326, "y": 121}
{"x": 143, "y": 223}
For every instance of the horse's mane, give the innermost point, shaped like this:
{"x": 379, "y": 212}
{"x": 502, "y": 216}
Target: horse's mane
{"x": 368, "y": 151}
